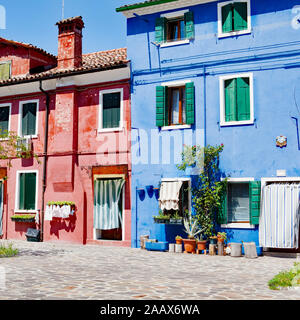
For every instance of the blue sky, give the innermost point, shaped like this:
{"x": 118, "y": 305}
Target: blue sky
{"x": 33, "y": 21}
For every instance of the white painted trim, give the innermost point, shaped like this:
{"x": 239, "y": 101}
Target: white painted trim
{"x": 174, "y": 43}
{"x": 112, "y": 176}
{"x": 177, "y": 83}
{"x": 221, "y": 34}
{"x": 238, "y": 179}
{"x": 37, "y": 101}
{"x": 163, "y": 7}
{"x": 238, "y": 226}
{"x": 9, "y": 117}
{"x": 222, "y": 79}
{"x": 174, "y": 14}
{"x": 176, "y": 127}
{"x": 17, "y": 194}
{"x": 100, "y": 114}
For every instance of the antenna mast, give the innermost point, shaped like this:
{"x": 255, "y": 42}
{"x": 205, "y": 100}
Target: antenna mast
{"x": 63, "y": 9}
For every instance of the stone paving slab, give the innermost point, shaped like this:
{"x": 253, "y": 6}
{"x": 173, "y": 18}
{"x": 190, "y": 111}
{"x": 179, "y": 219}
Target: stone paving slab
{"x": 51, "y": 271}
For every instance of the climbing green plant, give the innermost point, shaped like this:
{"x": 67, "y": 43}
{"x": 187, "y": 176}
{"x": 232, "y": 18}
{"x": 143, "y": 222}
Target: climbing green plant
{"x": 208, "y": 190}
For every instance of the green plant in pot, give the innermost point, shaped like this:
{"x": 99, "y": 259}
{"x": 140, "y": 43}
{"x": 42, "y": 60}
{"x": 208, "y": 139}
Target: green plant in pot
{"x": 221, "y": 236}
{"x": 207, "y": 191}
{"x": 176, "y": 218}
{"x": 192, "y": 229}
{"x": 161, "y": 218}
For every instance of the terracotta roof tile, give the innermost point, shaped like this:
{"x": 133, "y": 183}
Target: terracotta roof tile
{"x": 101, "y": 60}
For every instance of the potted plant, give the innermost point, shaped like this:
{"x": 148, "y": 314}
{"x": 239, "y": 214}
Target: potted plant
{"x": 192, "y": 229}
{"x": 161, "y": 218}
{"x": 23, "y": 218}
{"x": 213, "y": 239}
{"x": 221, "y": 236}
{"x": 201, "y": 244}
{"x": 178, "y": 240}
{"x": 176, "y": 219}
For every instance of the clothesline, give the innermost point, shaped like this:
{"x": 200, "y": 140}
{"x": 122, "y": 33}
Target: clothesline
{"x": 55, "y": 211}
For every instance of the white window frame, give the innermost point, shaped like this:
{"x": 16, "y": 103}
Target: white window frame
{"x": 183, "y": 180}
{"x": 173, "y": 15}
{"x": 100, "y": 115}
{"x": 9, "y": 117}
{"x": 113, "y": 176}
{"x": 237, "y": 225}
{"x": 36, "y": 120}
{"x": 222, "y": 34}
{"x": 222, "y": 80}
{"x": 173, "y": 84}
{"x": 17, "y": 194}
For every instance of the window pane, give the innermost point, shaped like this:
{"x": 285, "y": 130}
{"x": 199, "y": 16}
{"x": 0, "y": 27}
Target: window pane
{"x": 183, "y": 105}
{"x": 175, "y": 106}
{"x": 182, "y": 29}
{"x": 29, "y": 119}
{"x": 27, "y": 190}
{"x": 111, "y": 110}
{"x": 238, "y": 202}
{"x": 4, "y": 118}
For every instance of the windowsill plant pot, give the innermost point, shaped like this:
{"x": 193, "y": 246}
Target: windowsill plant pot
{"x": 27, "y": 218}
{"x": 189, "y": 245}
{"x": 178, "y": 240}
{"x": 175, "y": 221}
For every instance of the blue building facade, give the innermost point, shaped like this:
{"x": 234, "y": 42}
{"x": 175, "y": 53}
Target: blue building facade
{"x": 206, "y": 73}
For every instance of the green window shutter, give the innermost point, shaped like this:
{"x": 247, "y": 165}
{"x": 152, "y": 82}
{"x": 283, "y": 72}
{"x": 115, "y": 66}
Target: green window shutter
{"x": 4, "y": 119}
{"x": 30, "y": 188}
{"x": 160, "y": 30}
{"x": 29, "y": 119}
{"x": 243, "y": 99}
{"x": 240, "y": 16}
{"x": 223, "y": 211}
{"x": 190, "y": 102}
{"x": 227, "y": 18}
{"x": 22, "y": 191}
{"x": 189, "y": 25}
{"x": 230, "y": 100}
{"x": 111, "y": 110}
{"x": 5, "y": 71}
{"x": 161, "y": 106}
{"x": 254, "y": 201}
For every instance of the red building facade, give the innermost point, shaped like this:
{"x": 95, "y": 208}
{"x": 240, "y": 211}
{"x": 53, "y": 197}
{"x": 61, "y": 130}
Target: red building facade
{"x": 74, "y": 110}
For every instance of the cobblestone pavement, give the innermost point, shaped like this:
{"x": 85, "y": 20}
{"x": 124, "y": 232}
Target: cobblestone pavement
{"x": 65, "y": 271}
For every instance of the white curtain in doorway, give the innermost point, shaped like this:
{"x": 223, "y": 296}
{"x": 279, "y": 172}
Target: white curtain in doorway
{"x": 279, "y": 219}
{"x": 107, "y": 214}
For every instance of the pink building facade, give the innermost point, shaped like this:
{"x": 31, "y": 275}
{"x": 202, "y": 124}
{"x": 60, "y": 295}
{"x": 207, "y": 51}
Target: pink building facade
{"x": 74, "y": 111}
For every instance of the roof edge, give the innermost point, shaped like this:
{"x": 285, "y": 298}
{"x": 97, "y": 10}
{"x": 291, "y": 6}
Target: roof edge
{"x": 142, "y": 5}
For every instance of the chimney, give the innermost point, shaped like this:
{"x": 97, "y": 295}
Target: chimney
{"x": 70, "y": 43}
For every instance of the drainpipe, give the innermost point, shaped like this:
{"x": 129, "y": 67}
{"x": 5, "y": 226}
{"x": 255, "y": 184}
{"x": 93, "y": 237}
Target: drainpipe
{"x": 45, "y": 160}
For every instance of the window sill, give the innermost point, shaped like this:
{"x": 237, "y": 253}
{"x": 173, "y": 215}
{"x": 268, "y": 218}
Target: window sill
{"x": 35, "y": 136}
{"x": 236, "y": 123}
{"x": 174, "y": 43}
{"x": 234, "y": 33}
{"x": 183, "y": 126}
{"x": 110, "y": 130}
{"x": 25, "y": 211}
{"x": 238, "y": 226}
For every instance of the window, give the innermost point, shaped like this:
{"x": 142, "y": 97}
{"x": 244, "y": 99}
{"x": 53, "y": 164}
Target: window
{"x": 28, "y": 122}
{"x": 236, "y": 100}
{"x": 26, "y": 191}
{"x": 174, "y": 197}
{"x": 4, "y": 118}
{"x": 174, "y": 27}
{"x": 175, "y": 104}
{"x": 5, "y": 68}
{"x": 241, "y": 204}
{"x": 234, "y": 18}
{"x": 111, "y": 109}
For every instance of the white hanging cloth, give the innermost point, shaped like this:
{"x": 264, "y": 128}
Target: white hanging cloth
{"x": 279, "y": 219}
{"x": 169, "y": 195}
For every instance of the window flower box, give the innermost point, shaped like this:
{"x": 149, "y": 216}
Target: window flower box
{"x": 28, "y": 218}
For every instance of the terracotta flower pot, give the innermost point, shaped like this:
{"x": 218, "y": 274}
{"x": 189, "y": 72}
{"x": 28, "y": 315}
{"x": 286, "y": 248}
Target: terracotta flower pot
{"x": 189, "y": 245}
{"x": 178, "y": 241}
{"x": 220, "y": 240}
{"x": 201, "y": 245}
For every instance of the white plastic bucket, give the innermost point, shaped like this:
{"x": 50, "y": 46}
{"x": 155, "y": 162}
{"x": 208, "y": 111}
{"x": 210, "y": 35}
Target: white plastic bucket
{"x": 236, "y": 249}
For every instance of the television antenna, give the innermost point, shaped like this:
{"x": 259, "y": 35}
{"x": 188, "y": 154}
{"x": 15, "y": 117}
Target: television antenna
{"x": 63, "y": 10}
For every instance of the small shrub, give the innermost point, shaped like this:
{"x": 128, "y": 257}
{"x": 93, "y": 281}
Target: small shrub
{"x": 286, "y": 278}
{"x": 8, "y": 251}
